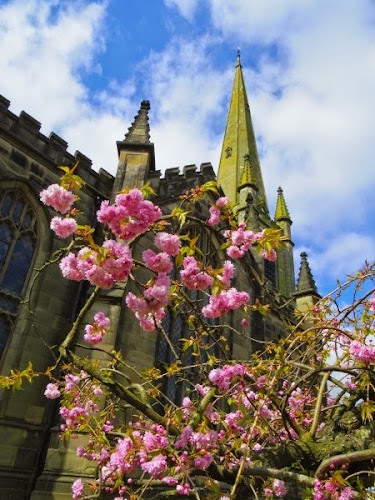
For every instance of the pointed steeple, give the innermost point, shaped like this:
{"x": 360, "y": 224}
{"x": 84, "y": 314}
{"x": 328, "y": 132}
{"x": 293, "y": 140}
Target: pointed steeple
{"x": 136, "y": 153}
{"x": 281, "y": 212}
{"x": 139, "y": 131}
{"x": 247, "y": 176}
{"x": 239, "y": 140}
{"x": 306, "y": 283}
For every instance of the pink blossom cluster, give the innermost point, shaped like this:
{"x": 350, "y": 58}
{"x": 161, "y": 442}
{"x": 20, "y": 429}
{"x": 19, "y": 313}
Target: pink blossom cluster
{"x": 324, "y": 490}
{"x": 130, "y": 216}
{"x": 362, "y": 352}
{"x": 58, "y": 198}
{"x": 297, "y": 402}
{"x": 113, "y": 262}
{"x": 52, "y": 391}
{"x": 225, "y": 301}
{"x": 157, "y": 262}
{"x": 95, "y": 332}
{"x": 77, "y": 489}
{"x": 63, "y": 227}
{"x": 278, "y": 489}
{"x": 80, "y": 403}
{"x": 240, "y": 240}
{"x": 223, "y": 377}
{"x": 150, "y": 308}
{"x": 145, "y": 447}
{"x": 193, "y": 277}
{"x": 215, "y": 211}
{"x": 168, "y": 243}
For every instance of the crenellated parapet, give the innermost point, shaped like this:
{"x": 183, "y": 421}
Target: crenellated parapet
{"x": 23, "y": 145}
{"x": 176, "y": 181}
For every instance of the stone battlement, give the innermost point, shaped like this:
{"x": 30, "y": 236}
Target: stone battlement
{"x": 176, "y": 181}
{"x": 23, "y": 133}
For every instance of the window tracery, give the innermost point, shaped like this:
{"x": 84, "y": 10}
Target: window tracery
{"x": 18, "y": 236}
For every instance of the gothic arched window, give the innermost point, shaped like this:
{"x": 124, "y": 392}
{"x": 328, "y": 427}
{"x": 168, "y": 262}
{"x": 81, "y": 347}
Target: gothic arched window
{"x": 18, "y": 236}
{"x": 175, "y": 327}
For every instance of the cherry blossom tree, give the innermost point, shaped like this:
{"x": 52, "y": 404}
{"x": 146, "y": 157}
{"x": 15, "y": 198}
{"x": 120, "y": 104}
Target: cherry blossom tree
{"x": 295, "y": 420}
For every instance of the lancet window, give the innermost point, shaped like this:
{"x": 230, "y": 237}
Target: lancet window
{"x": 18, "y": 236}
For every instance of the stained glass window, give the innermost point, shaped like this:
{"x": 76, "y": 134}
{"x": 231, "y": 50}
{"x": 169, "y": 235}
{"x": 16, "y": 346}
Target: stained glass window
{"x": 18, "y": 235}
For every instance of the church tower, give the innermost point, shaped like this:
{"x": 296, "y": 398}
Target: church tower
{"x": 240, "y": 176}
{"x": 239, "y": 155}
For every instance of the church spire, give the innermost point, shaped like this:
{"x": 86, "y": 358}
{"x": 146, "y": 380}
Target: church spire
{"x": 281, "y": 212}
{"x": 139, "y": 130}
{"x": 306, "y": 283}
{"x": 136, "y": 153}
{"x": 239, "y": 140}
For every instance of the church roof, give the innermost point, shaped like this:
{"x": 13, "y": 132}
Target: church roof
{"x": 239, "y": 140}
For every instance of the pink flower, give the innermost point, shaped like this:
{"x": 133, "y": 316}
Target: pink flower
{"x": 183, "y": 489}
{"x": 203, "y": 462}
{"x": 185, "y": 437}
{"x": 225, "y": 301}
{"x": 52, "y": 391}
{"x": 58, "y": 198}
{"x": 77, "y": 489}
{"x": 130, "y": 216}
{"x": 157, "y": 262}
{"x": 95, "y": 332}
{"x": 71, "y": 382}
{"x": 150, "y": 309}
{"x": 214, "y": 216}
{"x": 372, "y": 304}
{"x": 222, "y": 202}
{"x": 347, "y": 494}
{"x": 234, "y": 252}
{"x": 169, "y": 480}
{"x": 168, "y": 243}
{"x": 228, "y": 273}
{"x": 112, "y": 263}
{"x": 63, "y": 227}
{"x": 222, "y": 377}
{"x": 193, "y": 277}
{"x": 156, "y": 466}
{"x": 279, "y": 488}
{"x": 362, "y": 352}
{"x": 270, "y": 255}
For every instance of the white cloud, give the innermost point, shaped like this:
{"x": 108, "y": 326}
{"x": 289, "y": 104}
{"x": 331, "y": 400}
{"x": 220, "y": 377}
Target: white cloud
{"x": 342, "y": 254}
{"x": 42, "y": 55}
{"x": 187, "y": 8}
{"x": 252, "y": 20}
{"x": 312, "y": 110}
{"x": 190, "y": 95}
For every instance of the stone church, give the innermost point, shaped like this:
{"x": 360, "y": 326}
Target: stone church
{"x": 37, "y": 306}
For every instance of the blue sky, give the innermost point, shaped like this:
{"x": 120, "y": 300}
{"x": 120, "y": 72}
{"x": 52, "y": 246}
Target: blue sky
{"x": 82, "y": 67}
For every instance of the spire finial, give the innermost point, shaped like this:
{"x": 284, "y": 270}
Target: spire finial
{"x": 238, "y": 63}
